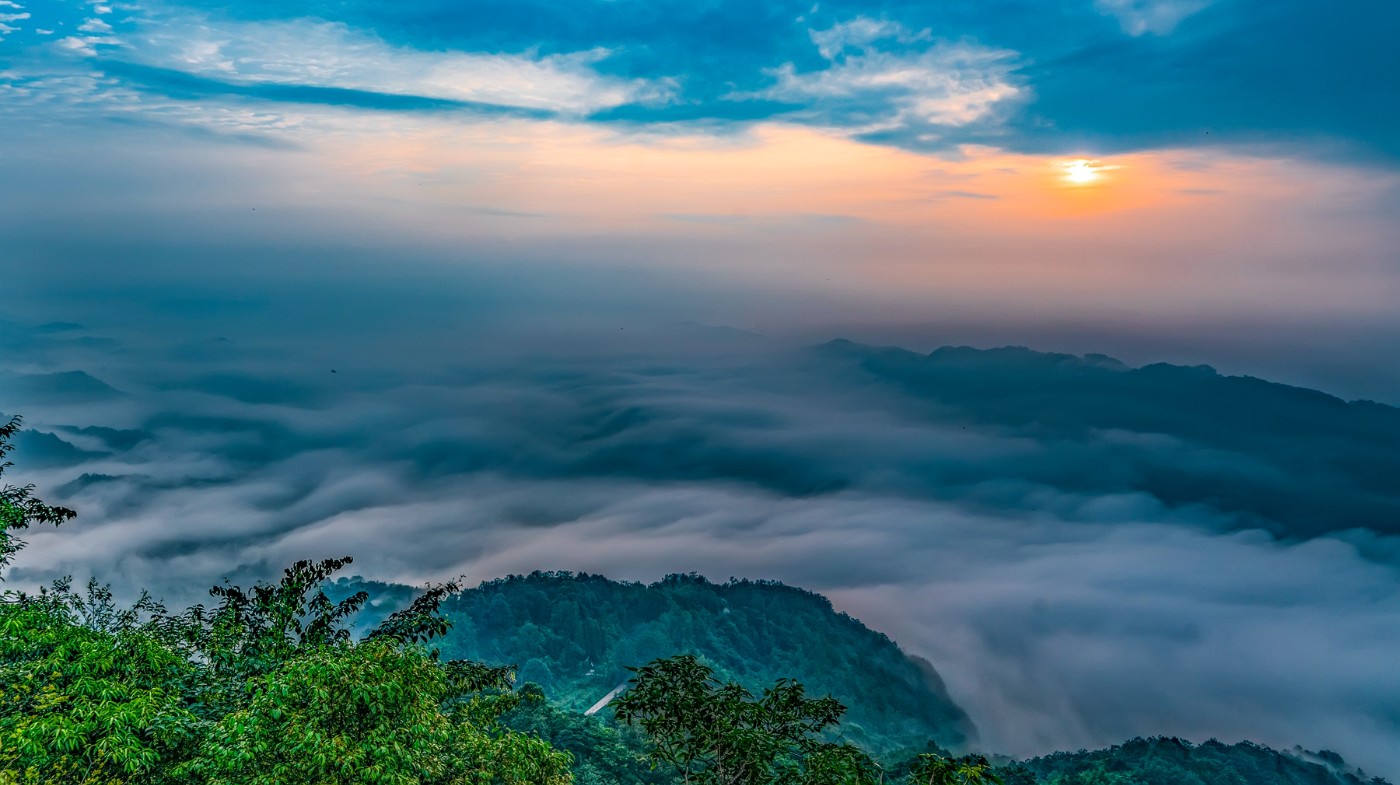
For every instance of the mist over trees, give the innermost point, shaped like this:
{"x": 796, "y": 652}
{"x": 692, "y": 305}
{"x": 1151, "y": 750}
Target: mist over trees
{"x": 289, "y": 683}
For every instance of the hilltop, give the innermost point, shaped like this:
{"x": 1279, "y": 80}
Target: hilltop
{"x": 576, "y": 634}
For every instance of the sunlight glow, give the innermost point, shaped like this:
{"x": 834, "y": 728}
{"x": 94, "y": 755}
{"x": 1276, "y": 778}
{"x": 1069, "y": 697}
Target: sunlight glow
{"x": 1084, "y": 171}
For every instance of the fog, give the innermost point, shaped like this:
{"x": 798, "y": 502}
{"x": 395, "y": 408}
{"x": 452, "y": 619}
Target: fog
{"x": 1069, "y": 597}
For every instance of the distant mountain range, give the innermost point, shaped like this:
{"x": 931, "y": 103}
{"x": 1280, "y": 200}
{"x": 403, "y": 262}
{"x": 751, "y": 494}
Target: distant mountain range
{"x": 1294, "y": 461}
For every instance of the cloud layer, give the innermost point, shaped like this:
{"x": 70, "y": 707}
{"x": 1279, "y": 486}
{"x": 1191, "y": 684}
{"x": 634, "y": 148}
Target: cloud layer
{"x": 1067, "y": 595}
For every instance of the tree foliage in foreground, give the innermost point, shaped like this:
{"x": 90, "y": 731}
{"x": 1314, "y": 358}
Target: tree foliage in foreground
{"x": 19, "y": 509}
{"x": 140, "y": 696}
{"x": 84, "y": 705}
{"x": 266, "y": 687}
{"x": 717, "y": 733}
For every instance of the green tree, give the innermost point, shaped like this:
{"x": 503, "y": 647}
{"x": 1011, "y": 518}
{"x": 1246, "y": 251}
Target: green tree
{"x": 292, "y": 699}
{"x": 715, "y": 733}
{"x": 266, "y": 687}
{"x": 934, "y": 769}
{"x": 19, "y": 509}
{"x": 86, "y": 706}
{"x": 377, "y": 713}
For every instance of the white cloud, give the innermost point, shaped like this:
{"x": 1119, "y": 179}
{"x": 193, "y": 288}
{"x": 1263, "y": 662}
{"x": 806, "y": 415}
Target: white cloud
{"x": 82, "y": 45}
{"x": 95, "y": 26}
{"x": 862, "y": 31}
{"x": 946, "y": 83}
{"x": 5, "y": 28}
{"x": 1159, "y": 17}
{"x": 326, "y": 54}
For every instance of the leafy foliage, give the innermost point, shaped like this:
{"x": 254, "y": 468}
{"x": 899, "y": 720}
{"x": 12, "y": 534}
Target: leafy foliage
{"x": 19, "y": 509}
{"x": 83, "y": 705}
{"x": 576, "y": 635}
{"x": 268, "y": 687}
{"x": 716, "y": 733}
{"x": 371, "y": 714}
{"x": 1172, "y": 761}
{"x": 603, "y": 752}
{"x": 934, "y": 769}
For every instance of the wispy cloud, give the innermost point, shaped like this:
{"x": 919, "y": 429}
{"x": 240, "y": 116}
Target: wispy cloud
{"x": 18, "y": 15}
{"x": 1025, "y": 76}
{"x": 316, "y": 53}
{"x": 915, "y": 84}
{"x": 1158, "y": 17}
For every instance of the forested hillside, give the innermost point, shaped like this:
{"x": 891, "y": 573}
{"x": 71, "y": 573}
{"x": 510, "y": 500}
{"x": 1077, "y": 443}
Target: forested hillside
{"x": 1171, "y": 761}
{"x": 575, "y": 635}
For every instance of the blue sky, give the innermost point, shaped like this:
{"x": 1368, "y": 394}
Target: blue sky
{"x": 1034, "y": 76}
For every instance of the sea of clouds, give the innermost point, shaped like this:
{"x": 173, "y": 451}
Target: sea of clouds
{"x": 1067, "y": 596}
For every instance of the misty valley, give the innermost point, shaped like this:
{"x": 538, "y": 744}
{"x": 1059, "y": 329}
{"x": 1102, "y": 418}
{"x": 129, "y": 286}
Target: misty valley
{"x": 544, "y": 677}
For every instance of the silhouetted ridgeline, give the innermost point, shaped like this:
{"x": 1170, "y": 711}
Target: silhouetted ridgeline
{"x": 1294, "y": 461}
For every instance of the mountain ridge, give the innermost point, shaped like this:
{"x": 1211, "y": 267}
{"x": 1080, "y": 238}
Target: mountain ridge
{"x": 752, "y": 631}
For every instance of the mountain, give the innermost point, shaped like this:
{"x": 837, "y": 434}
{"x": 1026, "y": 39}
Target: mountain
{"x": 576, "y": 634}
{"x": 68, "y": 387}
{"x": 1171, "y": 761}
{"x": 1296, "y": 462}
{"x": 573, "y": 636}
{"x": 42, "y": 449}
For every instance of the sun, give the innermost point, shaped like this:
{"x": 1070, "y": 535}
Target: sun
{"x": 1084, "y": 171}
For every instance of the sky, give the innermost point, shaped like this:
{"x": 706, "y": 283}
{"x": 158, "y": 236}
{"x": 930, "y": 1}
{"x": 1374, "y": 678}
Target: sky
{"x": 481, "y": 287}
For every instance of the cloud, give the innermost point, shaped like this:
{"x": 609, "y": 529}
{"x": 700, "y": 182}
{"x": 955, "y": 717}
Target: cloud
{"x": 1158, "y": 17}
{"x": 82, "y": 46}
{"x": 867, "y": 89}
{"x": 5, "y": 18}
{"x": 1059, "y": 78}
{"x": 1053, "y": 532}
{"x": 859, "y": 33}
{"x": 319, "y": 54}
